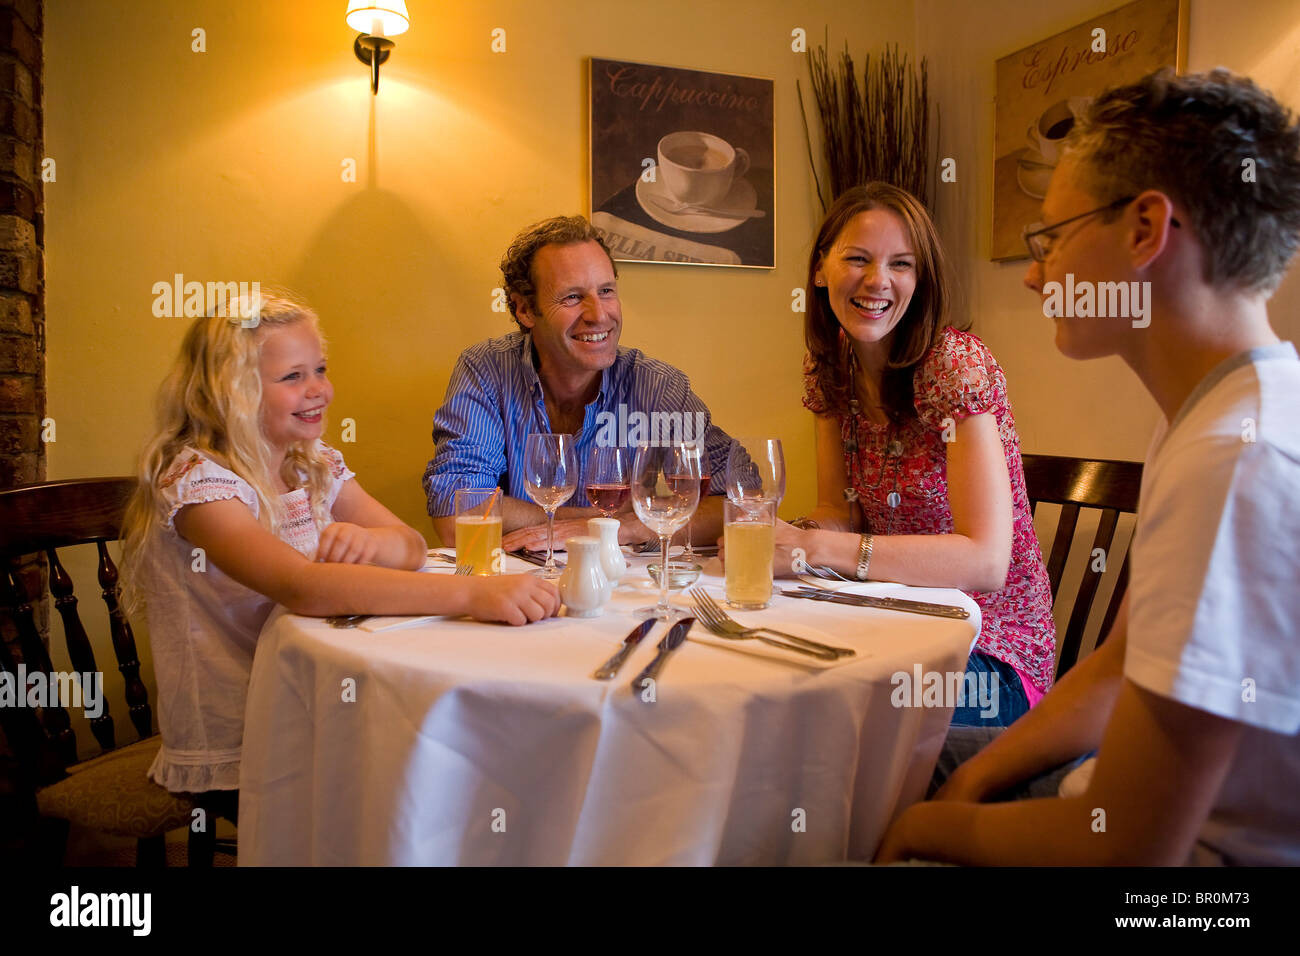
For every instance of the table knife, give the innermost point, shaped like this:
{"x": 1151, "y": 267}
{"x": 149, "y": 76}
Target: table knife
{"x": 672, "y": 640}
{"x": 608, "y": 669}
{"x": 532, "y": 557}
{"x": 886, "y": 603}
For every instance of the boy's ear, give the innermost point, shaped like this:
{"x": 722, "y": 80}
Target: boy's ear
{"x": 1153, "y": 212}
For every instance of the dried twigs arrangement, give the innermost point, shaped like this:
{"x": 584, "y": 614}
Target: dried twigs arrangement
{"x": 879, "y": 129}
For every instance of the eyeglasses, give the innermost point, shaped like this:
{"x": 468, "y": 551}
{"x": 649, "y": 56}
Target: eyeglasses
{"x": 1039, "y": 244}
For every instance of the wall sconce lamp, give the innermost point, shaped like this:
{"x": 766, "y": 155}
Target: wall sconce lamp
{"x": 376, "y": 21}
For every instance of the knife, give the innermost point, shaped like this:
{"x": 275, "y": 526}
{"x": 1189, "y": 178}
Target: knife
{"x": 672, "y": 640}
{"x": 886, "y": 603}
{"x": 611, "y": 666}
{"x": 532, "y": 557}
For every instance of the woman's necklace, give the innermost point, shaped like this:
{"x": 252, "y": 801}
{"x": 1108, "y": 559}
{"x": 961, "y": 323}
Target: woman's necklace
{"x": 893, "y": 456}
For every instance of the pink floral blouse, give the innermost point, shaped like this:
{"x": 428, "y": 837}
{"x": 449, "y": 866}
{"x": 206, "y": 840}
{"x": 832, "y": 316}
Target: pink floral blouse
{"x": 901, "y": 478}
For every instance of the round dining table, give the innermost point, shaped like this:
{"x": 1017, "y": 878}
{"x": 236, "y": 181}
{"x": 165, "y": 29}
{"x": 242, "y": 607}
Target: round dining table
{"x": 446, "y": 741}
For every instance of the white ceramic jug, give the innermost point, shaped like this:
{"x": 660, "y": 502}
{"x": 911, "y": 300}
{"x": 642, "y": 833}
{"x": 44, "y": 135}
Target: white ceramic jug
{"x": 584, "y": 589}
{"x": 611, "y": 555}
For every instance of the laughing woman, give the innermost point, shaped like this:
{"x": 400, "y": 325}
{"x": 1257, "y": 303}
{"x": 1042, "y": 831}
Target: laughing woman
{"x": 919, "y": 478}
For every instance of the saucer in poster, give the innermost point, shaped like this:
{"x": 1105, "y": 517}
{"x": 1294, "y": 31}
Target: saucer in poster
{"x": 730, "y": 211}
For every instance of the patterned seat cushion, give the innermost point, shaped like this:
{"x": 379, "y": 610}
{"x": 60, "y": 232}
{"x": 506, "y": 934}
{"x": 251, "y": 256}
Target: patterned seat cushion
{"x": 113, "y": 793}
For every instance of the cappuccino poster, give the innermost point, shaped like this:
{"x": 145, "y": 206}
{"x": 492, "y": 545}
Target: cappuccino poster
{"x": 1042, "y": 88}
{"x": 682, "y": 165}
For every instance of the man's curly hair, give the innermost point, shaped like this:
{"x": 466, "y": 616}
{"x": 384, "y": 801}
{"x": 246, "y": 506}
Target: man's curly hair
{"x": 517, "y": 263}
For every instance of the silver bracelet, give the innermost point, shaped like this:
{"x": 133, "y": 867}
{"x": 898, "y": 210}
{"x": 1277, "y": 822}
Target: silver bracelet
{"x": 865, "y": 545}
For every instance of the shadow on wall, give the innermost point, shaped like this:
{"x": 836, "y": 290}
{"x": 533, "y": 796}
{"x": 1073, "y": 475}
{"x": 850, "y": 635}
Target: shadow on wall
{"x": 369, "y": 273}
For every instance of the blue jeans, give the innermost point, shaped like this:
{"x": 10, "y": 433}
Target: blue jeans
{"x": 1001, "y": 697}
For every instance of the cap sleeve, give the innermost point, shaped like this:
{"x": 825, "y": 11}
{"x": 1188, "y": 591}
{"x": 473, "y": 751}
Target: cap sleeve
{"x": 339, "y": 472}
{"x": 958, "y": 378}
{"x": 194, "y": 480}
{"x": 812, "y": 393}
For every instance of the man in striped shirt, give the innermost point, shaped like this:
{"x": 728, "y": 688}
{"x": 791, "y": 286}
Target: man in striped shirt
{"x": 562, "y": 372}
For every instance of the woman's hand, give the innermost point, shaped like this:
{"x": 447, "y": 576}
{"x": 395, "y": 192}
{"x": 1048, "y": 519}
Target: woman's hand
{"x": 792, "y": 547}
{"x": 346, "y": 543}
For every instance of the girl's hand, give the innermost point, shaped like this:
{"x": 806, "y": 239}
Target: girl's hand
{"x": 345, "y": 543}
{"x": 512, "y": 598}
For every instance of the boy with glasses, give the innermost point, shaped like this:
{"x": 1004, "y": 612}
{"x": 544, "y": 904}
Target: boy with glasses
{"x": 1194, "y": 699}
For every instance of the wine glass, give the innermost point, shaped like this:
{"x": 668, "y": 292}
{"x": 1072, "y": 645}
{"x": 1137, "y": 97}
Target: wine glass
{"x": 550, "y": 477}
{"x": 696, "y": 448}
{"x": 756, "y": 469}
{"x": 665, "y": 493}
{"x": 608, "y": 479}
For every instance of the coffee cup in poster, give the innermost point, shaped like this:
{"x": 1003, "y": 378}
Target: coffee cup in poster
{"x": 699, "y": 168}
{"x": 1049, "y": 131}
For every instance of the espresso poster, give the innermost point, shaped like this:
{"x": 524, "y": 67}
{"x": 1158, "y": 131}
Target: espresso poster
{"x": 1042, "y": 88}
{"x": 682, "y": 165}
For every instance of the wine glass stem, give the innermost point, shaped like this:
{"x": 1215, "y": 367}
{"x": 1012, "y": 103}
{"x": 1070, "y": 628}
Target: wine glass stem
{"x": 550, "y": 541}
{"x": 689, "y": 553}
{"x": 663, "y": 572}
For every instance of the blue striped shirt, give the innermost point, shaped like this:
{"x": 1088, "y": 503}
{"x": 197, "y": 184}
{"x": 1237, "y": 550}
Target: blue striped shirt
{"x": 494, "y": 401}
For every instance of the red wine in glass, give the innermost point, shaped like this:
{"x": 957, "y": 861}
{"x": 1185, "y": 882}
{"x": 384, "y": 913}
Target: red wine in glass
{"x": 608, "y": 497}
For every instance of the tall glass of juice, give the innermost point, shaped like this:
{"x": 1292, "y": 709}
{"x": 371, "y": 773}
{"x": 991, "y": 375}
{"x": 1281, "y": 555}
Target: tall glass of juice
{"x": 478, "y": 530}
{"x": 749, "y": 531}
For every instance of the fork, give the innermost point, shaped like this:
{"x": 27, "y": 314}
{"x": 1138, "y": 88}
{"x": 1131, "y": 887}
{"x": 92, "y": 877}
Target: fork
{"x": 825, "y": 573}
{"x": 723, "y": 625}
{"x": 352, "y": 620}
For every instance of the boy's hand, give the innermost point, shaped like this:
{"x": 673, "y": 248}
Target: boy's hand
{"x": 344, "y": 543}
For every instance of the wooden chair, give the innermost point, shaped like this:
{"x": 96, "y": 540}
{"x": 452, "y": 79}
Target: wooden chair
{"x": 1074, "y": 483}
{"x": 111, "y": 792}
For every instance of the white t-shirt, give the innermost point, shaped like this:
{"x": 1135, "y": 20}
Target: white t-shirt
{"x": 1214, "y": 619}
{"x": 203, "y": 626}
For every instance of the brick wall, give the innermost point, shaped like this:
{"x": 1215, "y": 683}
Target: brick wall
{"x": 22, "y": 239}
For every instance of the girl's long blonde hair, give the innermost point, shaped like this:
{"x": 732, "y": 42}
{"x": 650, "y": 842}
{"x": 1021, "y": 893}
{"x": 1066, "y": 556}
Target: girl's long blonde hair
{"x": 211, "y": 401}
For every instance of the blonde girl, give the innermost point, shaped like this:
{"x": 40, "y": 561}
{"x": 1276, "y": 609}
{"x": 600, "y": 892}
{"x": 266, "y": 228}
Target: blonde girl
{"x": 240, "y": 507}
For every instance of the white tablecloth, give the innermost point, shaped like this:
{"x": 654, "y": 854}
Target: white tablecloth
{"x": 454, "y": 742}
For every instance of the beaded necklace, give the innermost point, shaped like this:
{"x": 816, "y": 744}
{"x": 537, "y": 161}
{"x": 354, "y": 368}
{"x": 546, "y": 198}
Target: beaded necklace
{"x": 893, "y": 450}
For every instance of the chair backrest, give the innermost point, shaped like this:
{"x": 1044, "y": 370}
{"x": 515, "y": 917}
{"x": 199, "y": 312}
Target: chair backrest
{"x": 1074, "y": 483}
{"x": 39, "y": 519}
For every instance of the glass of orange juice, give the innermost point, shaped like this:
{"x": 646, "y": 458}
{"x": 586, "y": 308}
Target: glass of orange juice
{"x": 749, "y": 530}
{"x": 478, "y": 530}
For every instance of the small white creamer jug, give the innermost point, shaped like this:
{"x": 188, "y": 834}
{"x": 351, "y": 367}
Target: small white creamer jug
{"x": 584, "y": 589}
{"x": 611, "y": 555}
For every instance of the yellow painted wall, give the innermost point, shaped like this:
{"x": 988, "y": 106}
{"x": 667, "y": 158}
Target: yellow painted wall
{"x": 227, "y": 165}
